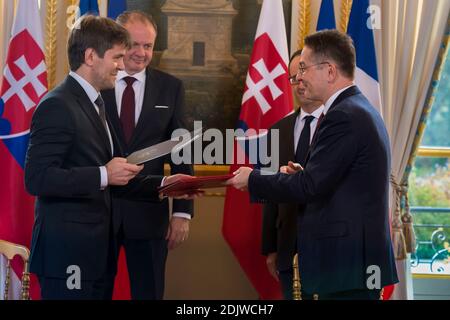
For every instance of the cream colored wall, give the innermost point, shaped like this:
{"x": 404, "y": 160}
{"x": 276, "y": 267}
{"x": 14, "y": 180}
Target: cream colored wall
{"x": 7, "y": 14}
{"x": 204, "y": 267}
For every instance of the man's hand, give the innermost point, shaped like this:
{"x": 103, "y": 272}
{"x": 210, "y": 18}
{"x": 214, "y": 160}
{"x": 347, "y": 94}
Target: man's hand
{"x": 192, "y": 194}
{"x": 271, "y": 262}
{"x": 174, "y": 178}
{"x": 178, "y": 232}
{"x": 291, "y": 168}
{"x": 120, "y": 172}
{"x": 240, "y": 179}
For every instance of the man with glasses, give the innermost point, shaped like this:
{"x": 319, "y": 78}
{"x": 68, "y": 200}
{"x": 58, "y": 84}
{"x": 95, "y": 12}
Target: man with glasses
{"x": 344, "y": 239}
{"x": 279, "y": 232}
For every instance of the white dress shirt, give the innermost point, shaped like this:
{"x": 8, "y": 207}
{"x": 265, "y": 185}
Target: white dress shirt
{"x": 139, "y": 90}
{"x": 300, "y": 123}
{"x": 93, "y": 94}
{"x": 332, "y": 98}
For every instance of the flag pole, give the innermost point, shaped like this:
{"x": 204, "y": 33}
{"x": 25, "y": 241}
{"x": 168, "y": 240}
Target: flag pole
{"x": 50, "y": 45}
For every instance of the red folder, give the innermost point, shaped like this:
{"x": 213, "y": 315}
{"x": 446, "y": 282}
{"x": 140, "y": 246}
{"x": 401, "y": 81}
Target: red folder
{"x": 190, "y": 185}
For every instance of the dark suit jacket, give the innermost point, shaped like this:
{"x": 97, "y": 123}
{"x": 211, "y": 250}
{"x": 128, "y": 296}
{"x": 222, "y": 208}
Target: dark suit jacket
{"x": 147, "y": 220}
{"x": 279, "y": 229}
{"x": 68, "y": 144}
{"x": 345, "y": 183}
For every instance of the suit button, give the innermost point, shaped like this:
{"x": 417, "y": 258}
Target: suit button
{"x": 126, "y": 154}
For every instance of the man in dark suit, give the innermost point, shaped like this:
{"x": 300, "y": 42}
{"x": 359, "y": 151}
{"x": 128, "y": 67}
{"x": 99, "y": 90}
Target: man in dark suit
{"x": 69, "y": 168}
{"x": 145, "y": 108}
{"x": 279, "y": 230}
{"x": 344, "y": 238}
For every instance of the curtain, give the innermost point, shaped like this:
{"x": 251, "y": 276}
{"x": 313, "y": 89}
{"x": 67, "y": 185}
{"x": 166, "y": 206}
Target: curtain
{"x": 7, "y": 14}
{"x": 408, "y": 45}
{"x": 411, "y": 37}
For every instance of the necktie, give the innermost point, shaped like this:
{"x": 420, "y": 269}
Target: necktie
{"x": 101, "y": 110}
{"x": 303, "y": 142}
{"x": 317, "y": 128}
{"x": 127, "y": 109}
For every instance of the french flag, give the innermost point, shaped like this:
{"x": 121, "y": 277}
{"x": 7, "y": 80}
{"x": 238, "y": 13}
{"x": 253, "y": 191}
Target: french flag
{"x": 24, "y": 83}
{"x": 327, "y": 19}
{"x": 360, "y": 30}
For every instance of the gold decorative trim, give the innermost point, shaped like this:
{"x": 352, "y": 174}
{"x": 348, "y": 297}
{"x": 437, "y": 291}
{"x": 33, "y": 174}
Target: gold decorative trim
{"x": 211, "y": 169}
{"x": 304, "y": 21}
{"x": 346, "y": 7}
{"x": 214, "y": 194}
{"x": 433, "y": 152}
{"x": 50, "y": 46}
{"x": 430, "y": 276}
{"x": 204, "y": 170}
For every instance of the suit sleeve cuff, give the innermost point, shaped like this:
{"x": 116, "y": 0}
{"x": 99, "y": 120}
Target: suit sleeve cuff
{"x": 253, "y": 180}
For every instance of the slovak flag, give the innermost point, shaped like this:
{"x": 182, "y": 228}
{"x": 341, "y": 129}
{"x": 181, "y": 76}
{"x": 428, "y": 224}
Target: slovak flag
{"x": 24, "y": 83}
{"x": 267, "y": 99}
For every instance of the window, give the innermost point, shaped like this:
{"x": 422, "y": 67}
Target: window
{"x": 429, "y": 187}
{"x": 199, "y": 54}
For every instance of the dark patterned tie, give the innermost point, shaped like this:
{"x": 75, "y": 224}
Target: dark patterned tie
{"x": 303, "y": 141}
{"x": 101, "y": 110}
{"x": 127, "y": 109}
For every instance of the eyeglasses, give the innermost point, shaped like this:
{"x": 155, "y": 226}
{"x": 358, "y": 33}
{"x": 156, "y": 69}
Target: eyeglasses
{"x": 302, "y": 68}
{"x": 293, "y": 80}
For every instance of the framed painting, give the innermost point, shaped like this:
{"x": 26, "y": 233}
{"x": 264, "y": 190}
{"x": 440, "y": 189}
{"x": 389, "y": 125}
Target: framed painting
{"x": 207, "y": 44}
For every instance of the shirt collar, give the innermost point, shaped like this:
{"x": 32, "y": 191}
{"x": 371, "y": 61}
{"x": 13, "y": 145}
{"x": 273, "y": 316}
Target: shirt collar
{"x": 91, "y": 92}
{"x": 316, "y": 113}
{"x": 140, "y": 76}
{"x": 333, "y": 97}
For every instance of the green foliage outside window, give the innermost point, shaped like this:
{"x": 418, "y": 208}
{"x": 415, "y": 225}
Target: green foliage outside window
{"x": 429, "y": 181}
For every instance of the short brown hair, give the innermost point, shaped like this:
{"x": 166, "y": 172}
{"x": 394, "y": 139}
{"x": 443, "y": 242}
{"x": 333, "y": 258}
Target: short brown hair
{"x": 136, "y": 15}
{"x": 95, "y": 32}
{"x": 294, "y": 55}
{"x": 334, "y": 45}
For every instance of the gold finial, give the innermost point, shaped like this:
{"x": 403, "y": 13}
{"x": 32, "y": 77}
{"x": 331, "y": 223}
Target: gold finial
{"x": 296, "y": 284}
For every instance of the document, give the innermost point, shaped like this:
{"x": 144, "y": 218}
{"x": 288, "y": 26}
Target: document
{"x": 189, "y": 185}
{"x": 163, "y": 148}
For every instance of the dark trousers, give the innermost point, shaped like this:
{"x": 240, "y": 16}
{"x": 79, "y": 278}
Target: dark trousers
{"x": 57, "y": 289}
{"x": 286, "y": 281}
{"x": 99, "y": 289}
{"x": 146, "y": 262}
{"x": 357, "y": 294}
